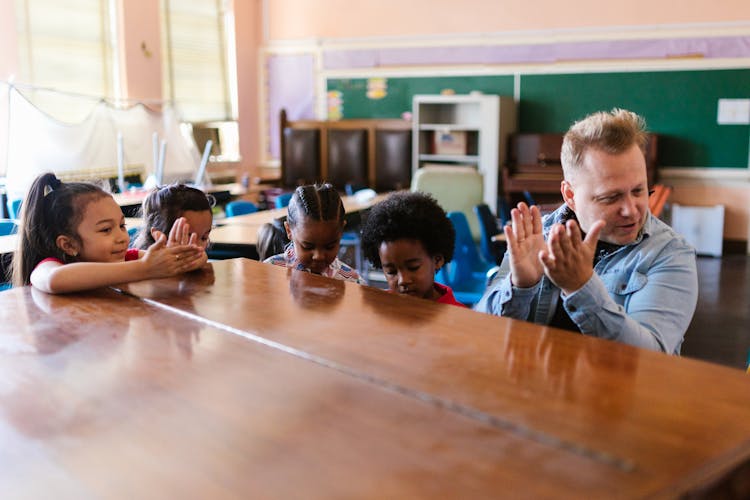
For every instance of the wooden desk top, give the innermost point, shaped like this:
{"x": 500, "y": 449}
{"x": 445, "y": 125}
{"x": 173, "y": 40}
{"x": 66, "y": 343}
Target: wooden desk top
{"x": 650, "y": 424}
{"x": 131, "y": 198}
{"x": 252, "y": 380}
{"x": 105, "y": 396}
{"x": 8, "y": 243}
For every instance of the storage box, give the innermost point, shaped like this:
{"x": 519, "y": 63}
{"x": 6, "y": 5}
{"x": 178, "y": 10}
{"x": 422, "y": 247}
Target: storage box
{"x": 450, "y": 142}
{"x": 702, "y": 227}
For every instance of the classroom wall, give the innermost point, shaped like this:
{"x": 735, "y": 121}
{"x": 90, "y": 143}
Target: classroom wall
{"x": 295, "y": 19}
{"x": 248, "y": 22}
{"x": 140, "y": 49}
{"x": 669, "y": 63}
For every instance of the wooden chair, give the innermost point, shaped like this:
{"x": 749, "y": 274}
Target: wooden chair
{"x": 658, "y": 198}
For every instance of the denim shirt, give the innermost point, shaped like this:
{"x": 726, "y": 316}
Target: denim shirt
{"x": 643, "y": 294}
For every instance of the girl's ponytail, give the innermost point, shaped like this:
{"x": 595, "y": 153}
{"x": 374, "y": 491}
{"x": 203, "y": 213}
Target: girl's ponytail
{"x": 51, "y": 208}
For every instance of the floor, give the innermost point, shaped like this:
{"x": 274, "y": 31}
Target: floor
{"x": 720, "y": 331}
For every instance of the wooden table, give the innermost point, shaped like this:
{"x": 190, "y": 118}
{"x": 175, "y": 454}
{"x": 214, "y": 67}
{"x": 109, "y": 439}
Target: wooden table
{"x": 8, "y": 243}
{"x": 131, "y": 201}
{"x": 250, "y": 380}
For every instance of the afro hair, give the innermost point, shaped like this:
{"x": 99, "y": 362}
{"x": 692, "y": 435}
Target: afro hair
{"x": 408, "y": 215}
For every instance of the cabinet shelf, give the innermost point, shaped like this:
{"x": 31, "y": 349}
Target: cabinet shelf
{"x": 466, "y": 130}
{"x": 449, "y": 127}
{"x": 450, "y": 158}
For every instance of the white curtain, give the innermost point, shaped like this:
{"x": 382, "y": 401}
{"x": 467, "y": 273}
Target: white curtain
{"x": 38, "y": 143}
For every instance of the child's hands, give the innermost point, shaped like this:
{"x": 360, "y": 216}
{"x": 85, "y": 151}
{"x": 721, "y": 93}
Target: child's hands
{"x": 180, "y": 233}
{"x": 162, "y": 260}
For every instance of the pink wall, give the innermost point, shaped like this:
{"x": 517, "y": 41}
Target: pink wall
{"x": 290, "y": 19}
{"x": 248, "y": 33}
{"x": 8, "y": 40}
{"x": 140, "y": 49}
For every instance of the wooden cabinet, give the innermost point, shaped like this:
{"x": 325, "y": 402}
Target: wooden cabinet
{"x": 373, "y": 153}
{"x": 464, "y": 130}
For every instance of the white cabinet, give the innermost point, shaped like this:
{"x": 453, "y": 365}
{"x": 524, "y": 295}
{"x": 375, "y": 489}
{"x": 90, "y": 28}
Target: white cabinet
{"x": 464, "y": 130}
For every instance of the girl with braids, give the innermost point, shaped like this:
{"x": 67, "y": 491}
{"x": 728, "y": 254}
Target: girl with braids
{"x": 314, "y": 225}
{"x": 72, "y": 237}
{"x": 410, "y": 237}
{"x": 180, "y": 211}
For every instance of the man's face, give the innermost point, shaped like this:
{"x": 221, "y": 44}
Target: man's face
{"x": 612, "y": 188}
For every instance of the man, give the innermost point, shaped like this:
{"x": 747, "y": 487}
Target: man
{"x": 601, "y": 264}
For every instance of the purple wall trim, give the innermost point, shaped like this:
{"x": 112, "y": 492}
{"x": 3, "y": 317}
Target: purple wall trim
{"x": 736, "y": 46}
{"x": 291, "y": 84}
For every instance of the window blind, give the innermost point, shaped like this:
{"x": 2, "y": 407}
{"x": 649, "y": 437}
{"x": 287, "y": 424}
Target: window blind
{"x": 66, "y": 46}
{"x": 194, "y": 62}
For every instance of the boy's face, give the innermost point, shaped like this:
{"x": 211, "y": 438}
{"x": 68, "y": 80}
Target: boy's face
{"x": 409, "y": 269}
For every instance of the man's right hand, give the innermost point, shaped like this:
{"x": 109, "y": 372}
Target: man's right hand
{"x": 525, "y": 241}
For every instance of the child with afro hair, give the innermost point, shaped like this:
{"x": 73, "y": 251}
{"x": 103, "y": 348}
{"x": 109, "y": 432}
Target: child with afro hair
{"x": 410, "y": 237}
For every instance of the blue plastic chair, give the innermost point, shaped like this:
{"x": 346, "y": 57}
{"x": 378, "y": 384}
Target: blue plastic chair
{"x": 283, "y": 200}
{"x": 133, "y": 234}
{"x": 240, "y": 207}
{"x": 466, "y": 274}
{"x": 14, "y": 208}
{"x": 7, "y": 227}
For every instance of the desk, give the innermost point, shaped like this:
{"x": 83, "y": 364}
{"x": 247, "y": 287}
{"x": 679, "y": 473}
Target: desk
{"x": 253, "y": 380}
{"x": 8, "y": 243}
{"x": 131, "y": 201}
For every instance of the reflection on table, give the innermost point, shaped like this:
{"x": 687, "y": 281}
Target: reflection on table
{"x": 246, "y": 379}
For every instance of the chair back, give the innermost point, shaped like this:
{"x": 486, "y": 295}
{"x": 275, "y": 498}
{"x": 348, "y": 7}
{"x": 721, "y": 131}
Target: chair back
{"x": 14, "y": 208}
{"x": 466, "y": 274}
{"x": 456, "y": 189}
{"x": 492, "y": 251}
{"x": 658, "y": 199}
{"x": 488, "y": 228}
{"x": 467, "y": 264}
{"x": 7, "y": 227}
{"x": 240, "y": 207}
{"x": 283, "y": 200}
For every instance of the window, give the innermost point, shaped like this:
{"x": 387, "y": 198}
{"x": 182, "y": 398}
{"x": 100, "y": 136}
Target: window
{"x": 66, "y": 46}
{"x": 194, "y": 61}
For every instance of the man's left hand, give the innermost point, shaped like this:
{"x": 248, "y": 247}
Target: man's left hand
{"x": 569, "y": 259}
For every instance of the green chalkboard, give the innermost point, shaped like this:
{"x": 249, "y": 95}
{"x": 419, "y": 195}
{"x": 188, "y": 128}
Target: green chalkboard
{"x": 399, "y": 92}
{"x": 679, "y": 105}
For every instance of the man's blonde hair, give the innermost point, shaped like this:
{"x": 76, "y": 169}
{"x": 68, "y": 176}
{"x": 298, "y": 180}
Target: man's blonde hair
{"x": 611, "y": 132}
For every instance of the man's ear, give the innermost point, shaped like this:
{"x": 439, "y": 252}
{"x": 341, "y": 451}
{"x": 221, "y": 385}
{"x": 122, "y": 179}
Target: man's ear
{"x": 566, "y": 189}
{"x": 439, "y": 261}
{"x": 68, "y": 245}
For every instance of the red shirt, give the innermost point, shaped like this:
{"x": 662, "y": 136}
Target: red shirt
{"x": 447, "y": 296}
